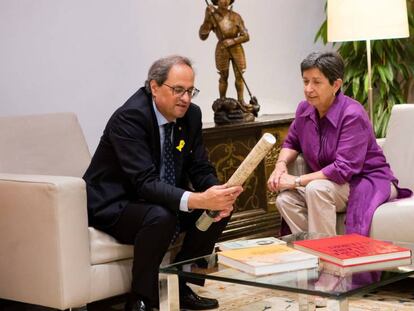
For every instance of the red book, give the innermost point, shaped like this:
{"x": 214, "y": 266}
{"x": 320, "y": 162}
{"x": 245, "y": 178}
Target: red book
{"x": 352, "y": 249}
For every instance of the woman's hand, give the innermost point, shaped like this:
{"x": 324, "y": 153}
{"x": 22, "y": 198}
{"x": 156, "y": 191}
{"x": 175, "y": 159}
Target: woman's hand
{"x": 287, "y": 181}
{"x": 274, "y": 180}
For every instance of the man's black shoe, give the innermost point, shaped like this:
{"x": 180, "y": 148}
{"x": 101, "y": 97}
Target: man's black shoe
{"x": 191, "y": 301}
{"x": 137, "y": 305}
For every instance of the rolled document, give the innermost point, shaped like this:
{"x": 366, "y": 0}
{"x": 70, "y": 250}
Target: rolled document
{"x": 241, "y": 174}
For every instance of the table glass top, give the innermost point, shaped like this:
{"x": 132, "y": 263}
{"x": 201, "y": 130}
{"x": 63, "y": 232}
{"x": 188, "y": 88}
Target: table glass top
{"x": 317, "y": 281}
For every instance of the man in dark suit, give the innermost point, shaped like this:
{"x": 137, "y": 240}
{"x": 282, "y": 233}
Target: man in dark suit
{"x": 138, "y": 191}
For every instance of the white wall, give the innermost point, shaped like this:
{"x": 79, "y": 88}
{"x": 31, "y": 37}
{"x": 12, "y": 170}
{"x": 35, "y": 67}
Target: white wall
{"x": 89, "y": 56}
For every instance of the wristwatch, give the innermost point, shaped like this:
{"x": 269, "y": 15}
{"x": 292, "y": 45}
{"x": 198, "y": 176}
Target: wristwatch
{"x": 297, "y": 182}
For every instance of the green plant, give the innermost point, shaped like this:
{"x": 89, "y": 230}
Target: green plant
{"x": 392, "y": 63}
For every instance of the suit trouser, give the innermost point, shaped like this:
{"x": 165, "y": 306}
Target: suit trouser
{"x": 313, "y": 208}
{"x": 150, "y": 228}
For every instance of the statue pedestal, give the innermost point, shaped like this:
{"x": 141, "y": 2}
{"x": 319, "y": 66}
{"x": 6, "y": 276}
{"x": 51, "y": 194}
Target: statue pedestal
{"x": 227, "y": 145}
{"x": 230, "y": 111}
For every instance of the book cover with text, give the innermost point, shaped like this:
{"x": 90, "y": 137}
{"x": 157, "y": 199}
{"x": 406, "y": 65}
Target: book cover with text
{"x": 352, "y": 249}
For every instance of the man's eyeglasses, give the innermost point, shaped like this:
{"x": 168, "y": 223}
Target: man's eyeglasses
{"x": 180, "y": 91}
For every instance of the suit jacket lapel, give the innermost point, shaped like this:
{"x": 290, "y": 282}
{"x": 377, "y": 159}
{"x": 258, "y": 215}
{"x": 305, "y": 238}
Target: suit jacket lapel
{"x": 156, "y": 147}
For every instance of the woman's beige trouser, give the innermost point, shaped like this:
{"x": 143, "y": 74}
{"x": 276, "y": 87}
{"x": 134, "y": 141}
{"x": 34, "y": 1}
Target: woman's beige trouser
{"x": 313, "y": 208}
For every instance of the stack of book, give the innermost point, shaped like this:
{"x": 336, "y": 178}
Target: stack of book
{"x": 354, "y": 253}
{"x": 267, "y": 259}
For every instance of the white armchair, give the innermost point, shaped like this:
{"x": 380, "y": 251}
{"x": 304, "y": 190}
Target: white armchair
{"x": 392, "y": 221}
{"x": 48, "y": 255}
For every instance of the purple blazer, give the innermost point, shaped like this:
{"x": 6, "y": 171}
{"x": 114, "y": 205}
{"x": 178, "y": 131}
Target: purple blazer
{"x": 342, "y": 144}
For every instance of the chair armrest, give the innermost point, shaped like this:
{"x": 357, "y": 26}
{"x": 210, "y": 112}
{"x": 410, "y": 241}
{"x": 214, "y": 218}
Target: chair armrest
{"x": 393, "y": 221}
{"x": 298, "y": 167}
{"x": 44, "y": 240}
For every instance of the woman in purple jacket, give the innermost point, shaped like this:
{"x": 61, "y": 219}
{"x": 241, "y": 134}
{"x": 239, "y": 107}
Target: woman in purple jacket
{"x": 348, "y": 168}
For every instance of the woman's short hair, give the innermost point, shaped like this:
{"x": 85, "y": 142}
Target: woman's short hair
{"x": 330, "y": 64}
{"x": 160, "y": 68}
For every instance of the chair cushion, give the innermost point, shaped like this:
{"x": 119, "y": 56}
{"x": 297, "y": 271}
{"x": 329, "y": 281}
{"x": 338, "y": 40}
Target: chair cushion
{"x": 104, "y": 248}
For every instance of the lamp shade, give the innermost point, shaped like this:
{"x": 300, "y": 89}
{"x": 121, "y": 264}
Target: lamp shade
{"x": 353, "y": 20}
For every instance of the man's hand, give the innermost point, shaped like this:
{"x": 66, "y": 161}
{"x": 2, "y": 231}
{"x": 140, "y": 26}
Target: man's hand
{"x": 217, "y": 198}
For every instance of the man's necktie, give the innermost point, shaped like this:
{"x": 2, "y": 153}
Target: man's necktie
{"x": 168, "y": 157}
{"x": 169, "y": 169}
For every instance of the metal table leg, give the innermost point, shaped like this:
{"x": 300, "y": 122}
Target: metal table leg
{"x": 305, "y": 302}
{"x": 341, "y": 305}
{"x": 168, "y": 292}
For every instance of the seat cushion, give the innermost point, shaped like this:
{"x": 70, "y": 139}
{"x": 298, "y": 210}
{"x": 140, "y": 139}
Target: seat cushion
{"x": 104, "y": 248}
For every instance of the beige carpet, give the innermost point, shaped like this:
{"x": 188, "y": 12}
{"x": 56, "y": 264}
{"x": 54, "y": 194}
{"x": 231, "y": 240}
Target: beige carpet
{"x": 394, "y": 297}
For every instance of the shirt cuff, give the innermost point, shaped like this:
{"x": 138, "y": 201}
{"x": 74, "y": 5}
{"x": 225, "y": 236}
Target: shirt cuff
{"x": 184, "y": 202}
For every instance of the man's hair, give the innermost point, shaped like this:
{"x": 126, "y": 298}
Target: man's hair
{"x": 330, "y": 64}
{"x": 160, "y": 68}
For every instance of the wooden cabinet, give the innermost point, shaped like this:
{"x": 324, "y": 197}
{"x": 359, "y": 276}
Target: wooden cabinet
{"x": 255, "y": 212}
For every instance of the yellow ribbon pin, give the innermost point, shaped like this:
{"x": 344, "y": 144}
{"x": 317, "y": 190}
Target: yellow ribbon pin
{"x": 180, "y": 145}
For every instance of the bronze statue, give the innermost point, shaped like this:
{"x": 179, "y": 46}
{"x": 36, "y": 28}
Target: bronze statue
{"x": 231, "y": 33}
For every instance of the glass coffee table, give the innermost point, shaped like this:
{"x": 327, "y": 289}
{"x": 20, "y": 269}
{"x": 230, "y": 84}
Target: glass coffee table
{"x": 309, "y": 283}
